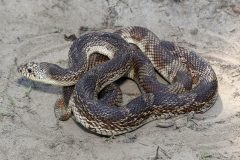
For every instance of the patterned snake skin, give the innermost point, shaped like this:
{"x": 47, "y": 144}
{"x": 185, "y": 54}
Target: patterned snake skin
{"x": 192, "y": 81}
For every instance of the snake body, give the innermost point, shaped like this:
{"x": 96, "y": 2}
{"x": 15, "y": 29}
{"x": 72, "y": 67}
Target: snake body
{"x": 192, "y": 81}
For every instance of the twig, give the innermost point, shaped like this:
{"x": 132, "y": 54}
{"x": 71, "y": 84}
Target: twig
{"x": 236, "y": 75}
{"x": 156, "y": 156}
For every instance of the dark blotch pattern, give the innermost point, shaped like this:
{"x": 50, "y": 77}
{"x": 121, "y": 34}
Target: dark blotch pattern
{"x": 138, "y": 33}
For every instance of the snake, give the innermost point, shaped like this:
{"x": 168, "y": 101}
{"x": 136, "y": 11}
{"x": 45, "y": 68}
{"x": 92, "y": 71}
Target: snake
{"x": 137, "y": 53}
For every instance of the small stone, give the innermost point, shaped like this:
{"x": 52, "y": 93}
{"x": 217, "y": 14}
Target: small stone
{"x": 194, "y": 31}
{"x": 236, "y": 8}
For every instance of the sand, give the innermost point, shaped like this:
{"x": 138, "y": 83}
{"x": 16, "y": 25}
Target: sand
{"x": 33, "y": 31}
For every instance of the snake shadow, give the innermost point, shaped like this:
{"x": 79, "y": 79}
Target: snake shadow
{"x": 215, "y": 110}
{"x": 47, "y": 88}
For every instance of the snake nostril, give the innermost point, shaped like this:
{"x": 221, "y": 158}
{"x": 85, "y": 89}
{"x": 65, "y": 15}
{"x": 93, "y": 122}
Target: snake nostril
{"x": 19, "y": 69}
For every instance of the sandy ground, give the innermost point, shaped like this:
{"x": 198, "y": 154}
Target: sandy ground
{"x": 33, "y": 30}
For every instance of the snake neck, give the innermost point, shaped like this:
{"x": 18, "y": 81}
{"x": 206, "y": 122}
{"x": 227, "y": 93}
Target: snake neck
{"x": 57, "y": 75}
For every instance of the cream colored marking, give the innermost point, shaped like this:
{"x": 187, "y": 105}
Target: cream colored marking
{"x": 102, "y": 50}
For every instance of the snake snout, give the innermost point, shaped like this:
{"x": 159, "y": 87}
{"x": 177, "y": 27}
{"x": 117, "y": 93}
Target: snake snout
{"x": 20, "y": 69}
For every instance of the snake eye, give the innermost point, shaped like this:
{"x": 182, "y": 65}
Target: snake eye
{"x": 29, "y": 70}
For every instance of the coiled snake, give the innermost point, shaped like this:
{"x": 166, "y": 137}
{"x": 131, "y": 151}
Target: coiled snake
{"x": 192, "y": 81}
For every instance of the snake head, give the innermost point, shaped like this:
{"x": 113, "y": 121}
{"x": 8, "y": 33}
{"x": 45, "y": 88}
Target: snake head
{"x": 34, "y": 71}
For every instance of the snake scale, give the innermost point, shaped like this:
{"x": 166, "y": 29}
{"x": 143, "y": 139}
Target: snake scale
{"x": 137, "y": 53}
